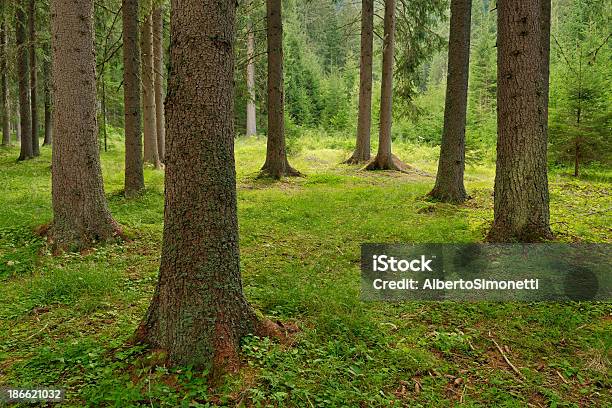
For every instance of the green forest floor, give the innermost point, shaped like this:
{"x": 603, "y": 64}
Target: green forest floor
{"x": 65, "y": 320}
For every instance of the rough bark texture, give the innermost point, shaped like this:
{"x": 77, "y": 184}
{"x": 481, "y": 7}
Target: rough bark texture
{"x": 364, "y": 119}
{"x": 158, "y": 59}
{"x": 80, "y": 213}
{"x": 4, "y": 91}
{"x": 151, "y": 154}
{"x": 33, "y": 77}
{"x": 134, "y": 177}
{"x": 251, "y": 119}
{"x": 198, "y": 312}
{"x": 276, "y": 164}
{"x": 384, "y": 160}
{"x": 521, "y": 210}
{"x": 449, "y": 185}
{"x": 23, "y": 78}
{"x": 47, "y": 89}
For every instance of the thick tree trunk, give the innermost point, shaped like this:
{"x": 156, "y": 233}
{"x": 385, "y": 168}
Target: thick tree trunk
{"x": 276, "y": 164}
{"x": 364, "y": 120}
{"x": 151, "y": 154}
{"x": 384, "y": 160}
{"x": 23, "y": 78}
{"x": 449, "y": 185}
{"x": 33, "y": 78}
{"x": 251, "y": 119}
{"x": 134, "y": 177}
{"x": 198, "y": 313}
{"x": 158, "y": 57}
{"x": 4, "y": 90}
{"x": 80, "y": 212}
{"x": 521, "y": 182}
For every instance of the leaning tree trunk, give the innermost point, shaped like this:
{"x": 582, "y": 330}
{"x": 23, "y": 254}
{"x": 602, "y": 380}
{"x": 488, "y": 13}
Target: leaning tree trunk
{"x": 158, "y": 57}
{"x": 251, "y": 118}
{"x": 449, "y": 185}
{"x": 364, "y": 120}
{"x": 134, "y": 178}
{"x": 80, "y": 212}
{"x": 33, "y": 77}
{"x": 151, "y": 154}
{"x": 23, "y": 78}
{"x": 4, "y": 90}
{"x": 276, "y": 164}
{"x": 198, "y": 313}
{"x": 384, "y": 160}
{"x": 521, "y": 211}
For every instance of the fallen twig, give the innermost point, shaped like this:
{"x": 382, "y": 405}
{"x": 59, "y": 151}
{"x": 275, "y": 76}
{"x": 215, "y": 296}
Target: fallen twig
{"x": 512, "y": 366}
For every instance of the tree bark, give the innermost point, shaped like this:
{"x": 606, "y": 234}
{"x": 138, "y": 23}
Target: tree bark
{"x": 23, "y": 78}
{"x": 80, "y": 212}
{"x": 198, "y": 313}
{"x": 4, "y": 89}
{"x": 449, "y": 185}
{"x": 151, "y": 154}
{"x": 521, "y": 210}
{"x": 276, "y": 164}
{"x": 134, "y": 177}
{"x": 364, "y": 120}
{"x": 251, "y": 119}
{"x": 33, "y": 78}
{"x": 48, "y": 140}
{"x": 158, "y": 57}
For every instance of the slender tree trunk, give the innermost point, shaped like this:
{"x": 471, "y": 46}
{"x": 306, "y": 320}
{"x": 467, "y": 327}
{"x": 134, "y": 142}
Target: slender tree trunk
{"x": 158, "y": 56}
{"x": 198, "y": 313}
{"x": 134, "y": 177}
{"x": 4, "y": 90}
{"x": 103, "y": 109}
{"x": 80, "y": 212}
{"x": 251, "y": 119}
{"x": 521, "y": 182}
{"x": 23, "y": 78}
{"x": 17, "y": 126}
{"x": 276, "y": 164}
{"x": 151, "y": 154}
{"x": 33, "y": 78}
{"x": 47, "y": 95}
{"x": 449, "y": 185}
{"x": 364, "y": 120}
{"x": 384, "y": 160}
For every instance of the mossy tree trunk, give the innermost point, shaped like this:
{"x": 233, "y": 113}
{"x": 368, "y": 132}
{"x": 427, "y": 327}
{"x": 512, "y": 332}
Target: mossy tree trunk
{"x": 198, "y": 313}
{"x": 151, "y": 154}
{"x": 48, "y": 140}
{"x": 80, "y": 212}
{"x": 33, "y": 77}
{"x": 521, "y": 210}
{"x": 23, "y": 79}
{"x": 276, "y": 164}
{"x": 364, "y": 119}
{"x": 134, "y": 177}
{"x": 449, "y": 185}
{"x": 251, "y": 119}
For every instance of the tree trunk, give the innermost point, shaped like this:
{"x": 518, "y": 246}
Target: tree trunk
{"x": 276, "y": 164}
{"x": 4, "y": 90}
{"x": 521, "y": 182}
{"x": 158, "y": 56}
{"x": 33, "y": 78}
{"x": 151, "y": 154}
{"x": 17, "y": 126}
{"x": 449, "y": 185}
{"x": 198, "y": 313}
{"x": 23, "y": 78}
{"x": 251, "y": 119}
{"x": 384, "y": 160}
{"x": 47, "y": 95}
{"x": 80, "y": 212}
{"x": 364, "y": 120}
{"x": 134, "y": 177}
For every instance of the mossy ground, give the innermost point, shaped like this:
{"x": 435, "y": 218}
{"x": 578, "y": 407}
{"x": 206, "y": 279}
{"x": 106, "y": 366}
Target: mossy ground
{"x": 65, "y": 320}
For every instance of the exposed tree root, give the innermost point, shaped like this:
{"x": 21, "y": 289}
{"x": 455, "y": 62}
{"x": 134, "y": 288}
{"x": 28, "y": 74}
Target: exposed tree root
{"x": 444, "y": 196}
{"x": 277, "y": 172}
{"x": 388, "y": 163}
{"x": 357, "y": 158}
